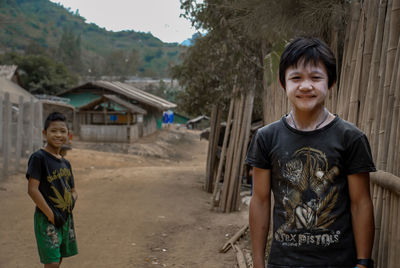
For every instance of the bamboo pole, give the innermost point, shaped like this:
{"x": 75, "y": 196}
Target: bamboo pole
{"x": 392, "y": 231}
{"x": 378, "y": 217}
{"x": 348, "y": 66}
{"x": 370, "y": 29}
{"x": 383, "y": 248}
{"x": 394, "y": 33}
{"x": 240, "y": 257}
{"x": 373, "y": 77}
{"x": 394, "y": 96}
{"x": 357, "y": 61}
{"x": 374, "y": 140}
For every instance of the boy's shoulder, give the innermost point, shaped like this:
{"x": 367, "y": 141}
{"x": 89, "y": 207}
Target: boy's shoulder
{"x": 38, "y": 154}
{"x": 270, "y": 128}
{"x": 349, "y": 131}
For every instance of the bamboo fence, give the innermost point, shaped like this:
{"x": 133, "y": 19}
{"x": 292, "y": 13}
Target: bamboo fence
{"x": 20, "y": 132}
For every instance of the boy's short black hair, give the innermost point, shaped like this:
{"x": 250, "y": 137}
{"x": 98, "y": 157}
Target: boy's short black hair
{"x": 309, "y": 49}
{"x": 55, "y": 116}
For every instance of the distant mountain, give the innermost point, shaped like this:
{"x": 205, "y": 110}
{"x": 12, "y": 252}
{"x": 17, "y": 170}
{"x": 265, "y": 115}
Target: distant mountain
{"x": 40, "y": 25}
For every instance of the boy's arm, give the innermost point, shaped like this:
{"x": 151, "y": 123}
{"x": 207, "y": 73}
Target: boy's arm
{"x": 37, "y": 197}
{"x": 362, "y": 214}
{"x": 74, "y": 194}
{"x": 260, "y": 206}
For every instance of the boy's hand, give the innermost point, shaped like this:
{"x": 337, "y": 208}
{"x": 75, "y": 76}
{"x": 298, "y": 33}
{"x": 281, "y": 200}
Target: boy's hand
{"x": 51, "y": 218}
{"x": 59, "y": 220}
{"x": 73, "y": 202}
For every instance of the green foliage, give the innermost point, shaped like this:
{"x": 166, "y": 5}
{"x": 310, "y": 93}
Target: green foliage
{"x": 40, "y": 74}
{"x": 66, "y": 36}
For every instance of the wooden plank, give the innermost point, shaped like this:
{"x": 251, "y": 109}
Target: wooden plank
{"x": 222, "y": 160}
{"x": 214, "y": 148}
{"x": 18, "y": 149}
{"x": 211, "y": 141}
{"x": 229, "y": 157}
{"x": 248, "y": 114}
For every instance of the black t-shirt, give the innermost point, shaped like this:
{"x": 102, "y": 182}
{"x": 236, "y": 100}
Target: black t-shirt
{"x": 311, "y": 216}
{"x": 56, "y": 180}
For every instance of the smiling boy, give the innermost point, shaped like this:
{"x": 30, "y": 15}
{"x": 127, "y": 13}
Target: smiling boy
{"x": 317, "y": 166}
{"x": 51, "y": 187}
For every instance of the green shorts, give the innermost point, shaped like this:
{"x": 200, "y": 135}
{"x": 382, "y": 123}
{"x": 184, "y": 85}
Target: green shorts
{"x": 54, "y": 243}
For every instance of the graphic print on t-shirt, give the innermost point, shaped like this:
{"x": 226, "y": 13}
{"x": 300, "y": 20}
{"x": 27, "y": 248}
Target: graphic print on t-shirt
{"x": 61, "y": 201}
{"x": 308, "y": 199}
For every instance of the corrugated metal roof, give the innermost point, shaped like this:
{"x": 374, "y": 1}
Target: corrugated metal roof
{"x": 130, "y": 92}
{"x": 133, "y": 108}
{"x": 197, "y": 119}
{"x": 7, "y": 71}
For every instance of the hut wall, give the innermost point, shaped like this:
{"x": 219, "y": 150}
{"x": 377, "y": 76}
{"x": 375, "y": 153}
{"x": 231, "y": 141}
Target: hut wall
{"x": 104, "y": 133}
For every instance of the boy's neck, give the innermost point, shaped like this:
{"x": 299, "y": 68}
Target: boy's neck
{"x": 53, "y": 150}
{"x": 309, "y": 120}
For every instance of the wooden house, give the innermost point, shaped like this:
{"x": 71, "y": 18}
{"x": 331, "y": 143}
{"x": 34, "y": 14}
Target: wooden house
{"x": 115, "y": 111}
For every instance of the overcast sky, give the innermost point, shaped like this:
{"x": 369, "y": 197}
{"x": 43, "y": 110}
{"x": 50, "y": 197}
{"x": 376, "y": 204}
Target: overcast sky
{"x": 160, "y": 17}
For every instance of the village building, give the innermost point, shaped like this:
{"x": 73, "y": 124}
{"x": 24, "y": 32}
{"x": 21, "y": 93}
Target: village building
{"x": 115, "y": 111}
{"x": 199, "y": 123}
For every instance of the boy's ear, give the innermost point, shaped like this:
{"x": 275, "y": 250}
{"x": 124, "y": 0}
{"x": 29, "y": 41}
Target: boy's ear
{"x": 284, "y": 89}
{"x": 44, "y": 132}
{"x": 332, "y": 85}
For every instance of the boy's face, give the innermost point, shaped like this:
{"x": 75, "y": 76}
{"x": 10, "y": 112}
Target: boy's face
{"x": 56, "y": 134}
{"x": 307, "y": 86}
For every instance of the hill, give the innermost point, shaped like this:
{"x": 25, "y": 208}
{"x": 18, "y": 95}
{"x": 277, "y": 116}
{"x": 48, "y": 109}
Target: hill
{"x": 41, "y": 26}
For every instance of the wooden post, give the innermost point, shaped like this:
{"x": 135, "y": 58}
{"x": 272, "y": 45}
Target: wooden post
{"x": 1, "y": 123}
{"x": 31, "y": 132}
{"x": 39, "y": 126}
{"x": 6, "y": 134}
{"x": 18, "y": 146}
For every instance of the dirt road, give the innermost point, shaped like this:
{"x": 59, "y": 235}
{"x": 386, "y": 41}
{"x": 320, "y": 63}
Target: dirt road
{"x": 141, "y": 208}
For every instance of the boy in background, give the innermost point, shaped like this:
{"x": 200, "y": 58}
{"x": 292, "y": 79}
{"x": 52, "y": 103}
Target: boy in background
{"x": 317, "y": 166}
{"x": 51, "y": 187}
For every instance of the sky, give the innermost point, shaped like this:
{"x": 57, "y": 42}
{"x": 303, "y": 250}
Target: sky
{"x": 159, "y": 17}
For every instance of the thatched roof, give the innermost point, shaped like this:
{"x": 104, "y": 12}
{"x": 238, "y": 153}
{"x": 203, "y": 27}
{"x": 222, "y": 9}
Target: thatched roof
{"x": 131, "y": 107}
{"x": 7, "y": 86}
{"x": 128, "y": 91}
{"x": 7, "y": 71}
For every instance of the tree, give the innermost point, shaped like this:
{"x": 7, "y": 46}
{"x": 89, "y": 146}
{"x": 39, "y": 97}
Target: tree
{"x": 69, "y": 50}
{"x": 40, "y": 74}
{"x": 240, "y": 34}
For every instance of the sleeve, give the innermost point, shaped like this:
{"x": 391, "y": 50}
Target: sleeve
{"x": 34, "y": 167}
{"x": 257, "y": 154}
{"x": 358, "y": 157}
